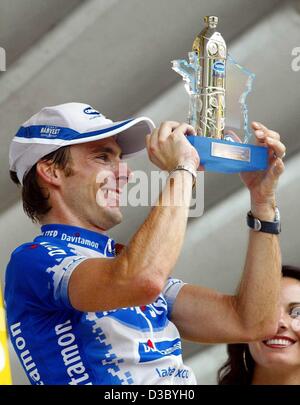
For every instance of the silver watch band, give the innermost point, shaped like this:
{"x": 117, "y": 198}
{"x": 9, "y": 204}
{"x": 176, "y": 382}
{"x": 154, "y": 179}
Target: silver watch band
{"x": 187, "y": 169}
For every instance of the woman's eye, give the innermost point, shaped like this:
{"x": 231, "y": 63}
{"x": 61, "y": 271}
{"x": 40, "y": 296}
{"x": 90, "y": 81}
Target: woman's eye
{"x": 295, "y": 312}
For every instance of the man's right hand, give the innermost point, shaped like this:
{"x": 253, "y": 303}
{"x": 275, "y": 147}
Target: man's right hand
{"x": 168, "y": 147}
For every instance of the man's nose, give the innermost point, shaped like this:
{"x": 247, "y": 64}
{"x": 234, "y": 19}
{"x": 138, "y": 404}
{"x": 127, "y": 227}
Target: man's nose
{"x": 122, "y": 173}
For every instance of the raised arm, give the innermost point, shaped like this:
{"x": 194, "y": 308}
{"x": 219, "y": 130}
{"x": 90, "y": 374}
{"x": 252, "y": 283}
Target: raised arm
{"x": 138, "y": 274}
{"x": 205, "y": 315}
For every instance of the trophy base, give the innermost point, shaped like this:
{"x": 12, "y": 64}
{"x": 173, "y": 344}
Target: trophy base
{"x": 218, "y": 155}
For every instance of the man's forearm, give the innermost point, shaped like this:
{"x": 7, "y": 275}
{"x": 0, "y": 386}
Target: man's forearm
{"x": 258, "y": 295}
{"x": 154, "y": 249}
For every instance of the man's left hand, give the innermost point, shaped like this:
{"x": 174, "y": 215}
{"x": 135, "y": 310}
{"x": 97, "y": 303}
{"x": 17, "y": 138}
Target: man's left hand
{"x": 262, "y": 184}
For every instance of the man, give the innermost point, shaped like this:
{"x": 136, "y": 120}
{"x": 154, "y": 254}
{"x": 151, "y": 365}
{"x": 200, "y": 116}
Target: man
{"x": 78, "y": 313}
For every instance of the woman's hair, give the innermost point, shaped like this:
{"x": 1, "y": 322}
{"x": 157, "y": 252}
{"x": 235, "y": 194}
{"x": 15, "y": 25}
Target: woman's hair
{"x": 34, "y": 197}
{"x": 239, "y": 367}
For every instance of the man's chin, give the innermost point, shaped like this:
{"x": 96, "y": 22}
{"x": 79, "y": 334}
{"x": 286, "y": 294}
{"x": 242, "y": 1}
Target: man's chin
{"x": 113, "y": 215}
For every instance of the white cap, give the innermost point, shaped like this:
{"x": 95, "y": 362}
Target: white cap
{"x": 70, "y": 124}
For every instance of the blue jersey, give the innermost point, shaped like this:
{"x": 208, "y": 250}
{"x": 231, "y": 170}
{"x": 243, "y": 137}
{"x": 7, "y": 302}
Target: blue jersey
{"x": 58, "y": 344}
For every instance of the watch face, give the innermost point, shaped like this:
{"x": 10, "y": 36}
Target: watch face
{"x": 257, "y": 224}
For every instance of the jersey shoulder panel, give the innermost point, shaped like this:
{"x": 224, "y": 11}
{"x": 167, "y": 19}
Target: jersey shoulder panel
{"x": 41, "y": 271}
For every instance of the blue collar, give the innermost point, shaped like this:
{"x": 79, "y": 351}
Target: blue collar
{"x": 80, "y": 236}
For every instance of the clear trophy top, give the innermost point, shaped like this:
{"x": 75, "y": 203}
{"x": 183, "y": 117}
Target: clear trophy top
{"x": 217, "y": 85}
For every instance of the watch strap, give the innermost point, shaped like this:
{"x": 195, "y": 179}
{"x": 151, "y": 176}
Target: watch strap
{"x": 264, "y": 226}
{"x": 187, "y": 169}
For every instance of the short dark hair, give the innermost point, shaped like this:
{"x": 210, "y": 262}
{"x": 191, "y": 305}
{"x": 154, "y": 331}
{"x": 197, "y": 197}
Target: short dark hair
{"x": 35, "y": 198}
{"x": 239, "y": 367}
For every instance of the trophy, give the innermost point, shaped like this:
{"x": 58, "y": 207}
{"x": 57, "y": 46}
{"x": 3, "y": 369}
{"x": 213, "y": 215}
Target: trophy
{"x": 205, "y": 76}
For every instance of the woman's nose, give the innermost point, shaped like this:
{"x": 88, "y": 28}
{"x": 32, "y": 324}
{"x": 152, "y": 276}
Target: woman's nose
{"x": 283, "y": 320}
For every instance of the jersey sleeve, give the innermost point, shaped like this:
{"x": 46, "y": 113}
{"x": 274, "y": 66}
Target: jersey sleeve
{"x": 170, "y": 292}
{"x": 41, "y": 276}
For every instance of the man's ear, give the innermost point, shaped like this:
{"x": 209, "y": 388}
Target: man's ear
{"x": 47, "y": 170}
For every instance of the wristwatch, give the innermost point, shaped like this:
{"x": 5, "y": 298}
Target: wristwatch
{"x": 265, "y": 226}
{"x": 187, "y": 169}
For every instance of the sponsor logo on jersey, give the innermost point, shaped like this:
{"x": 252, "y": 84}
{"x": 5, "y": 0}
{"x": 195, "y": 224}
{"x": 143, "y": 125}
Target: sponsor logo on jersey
{"x": 173, "y": 372}
{"x": 149, "y": 350}
{"x": 24, "y": 354}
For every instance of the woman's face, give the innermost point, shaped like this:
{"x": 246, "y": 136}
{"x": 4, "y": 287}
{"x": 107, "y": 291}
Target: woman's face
{"x": 283, "y": 349}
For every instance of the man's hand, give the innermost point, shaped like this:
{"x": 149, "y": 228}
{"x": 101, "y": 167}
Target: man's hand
{"x": 168, "y": 147}
{"x": 262, "y": 184}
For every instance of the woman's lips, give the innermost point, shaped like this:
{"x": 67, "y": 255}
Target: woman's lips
{"x": 279, "y": 342}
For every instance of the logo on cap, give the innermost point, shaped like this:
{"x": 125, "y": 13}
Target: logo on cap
{"x": 91, "y": 111}
{"x": 49, "y": 132}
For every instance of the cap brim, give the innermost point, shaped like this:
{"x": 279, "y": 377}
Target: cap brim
{"x": 133, "y": 140}
{"x": 130, "y": 135}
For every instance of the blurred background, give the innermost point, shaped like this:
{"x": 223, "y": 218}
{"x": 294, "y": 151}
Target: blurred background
{"x": 115, "y": 55}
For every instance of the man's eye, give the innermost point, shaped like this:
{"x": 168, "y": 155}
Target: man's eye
{"x": 295, "y": 312}
{"x": 103, "y": 157}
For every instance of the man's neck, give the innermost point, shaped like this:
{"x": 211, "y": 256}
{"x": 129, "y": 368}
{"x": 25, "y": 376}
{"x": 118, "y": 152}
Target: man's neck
{"x": 271, "y": 376}
{"x": 70, "y": 220}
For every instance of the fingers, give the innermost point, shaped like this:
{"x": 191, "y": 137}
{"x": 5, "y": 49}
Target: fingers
{"x": 265, "y": 136}
{"x": 261, "y": 132}
{"x": 150, "y": 149}
{"x": 184, "y": 129}
{"x": 173, "y": 128}
{"x": 166, "y": 128}
{"x": 160, "y": 134}
{"x": 277, "y": 147}
{"x": 167, "y": 145}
